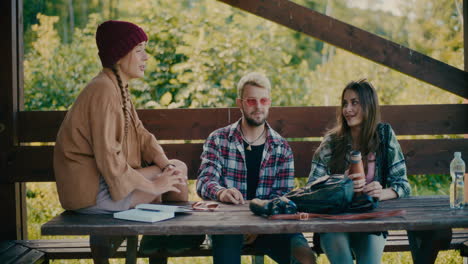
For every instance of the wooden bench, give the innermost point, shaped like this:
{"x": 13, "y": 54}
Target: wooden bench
{"x": 78, "y": 248}
{"x": 17, "y": 252}
{"x": 182, "y": 131}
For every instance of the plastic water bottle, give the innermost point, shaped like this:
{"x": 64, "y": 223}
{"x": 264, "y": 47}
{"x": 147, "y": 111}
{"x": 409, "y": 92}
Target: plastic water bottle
{"x": 457, "y": 171}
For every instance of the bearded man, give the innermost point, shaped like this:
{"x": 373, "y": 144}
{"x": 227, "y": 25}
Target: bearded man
{"x": 247, "y": 160}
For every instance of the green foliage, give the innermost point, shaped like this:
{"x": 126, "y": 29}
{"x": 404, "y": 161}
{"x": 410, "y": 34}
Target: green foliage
{"x": 430, "y": 184}
{"x": 55, "y": 73}
{"x": 42, "y": 205}
{"x": 200, "y": 49}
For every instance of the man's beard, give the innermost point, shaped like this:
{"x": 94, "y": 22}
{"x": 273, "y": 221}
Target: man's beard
{"x": 254, "y": 123}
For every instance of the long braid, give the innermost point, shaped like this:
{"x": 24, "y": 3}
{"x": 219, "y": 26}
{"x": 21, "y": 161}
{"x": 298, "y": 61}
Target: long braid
{"x": 126, "y": 99}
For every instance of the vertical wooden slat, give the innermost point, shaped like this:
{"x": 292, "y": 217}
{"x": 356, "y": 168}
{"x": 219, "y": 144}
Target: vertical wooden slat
{"x": 20, "y": 55}
{"x": 12, "y": 195}
{"x": 21, "y": 213}
{"x": 8, "y": 83}
{"x": 465, "y": 33}
{"x": 465, "y": 41}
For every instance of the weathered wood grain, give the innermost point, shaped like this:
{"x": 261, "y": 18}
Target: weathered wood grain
{"x": 290, "y": 122}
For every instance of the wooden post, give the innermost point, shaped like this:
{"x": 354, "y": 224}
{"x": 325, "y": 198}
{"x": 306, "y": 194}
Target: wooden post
{"x": 12, "y": 195}
{"x": 465, "y": 32}
{"x": 465, "y": 42}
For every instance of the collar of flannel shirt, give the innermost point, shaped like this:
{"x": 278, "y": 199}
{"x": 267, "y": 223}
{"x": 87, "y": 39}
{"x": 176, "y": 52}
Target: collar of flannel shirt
{"x": 273, "y": 137}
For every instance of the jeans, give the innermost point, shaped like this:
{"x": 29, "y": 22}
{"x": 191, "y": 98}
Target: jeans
{"x": 227, "y": 248}
{"x": 339, "y": 247}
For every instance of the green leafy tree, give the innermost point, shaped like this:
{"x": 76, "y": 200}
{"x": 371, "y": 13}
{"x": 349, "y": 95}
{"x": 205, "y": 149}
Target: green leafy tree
{"x": 55, "y": 73}
{"x": 200, "y": 49}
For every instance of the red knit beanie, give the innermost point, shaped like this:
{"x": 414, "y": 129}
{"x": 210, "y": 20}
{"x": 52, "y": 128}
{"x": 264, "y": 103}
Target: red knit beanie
{"x": 117, "y": 38}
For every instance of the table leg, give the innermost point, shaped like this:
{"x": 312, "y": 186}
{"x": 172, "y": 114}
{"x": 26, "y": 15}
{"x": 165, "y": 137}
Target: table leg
{"x": 425, "y": 244}
{"x": 104, "y": 247}
{"x": 132, "y": 244}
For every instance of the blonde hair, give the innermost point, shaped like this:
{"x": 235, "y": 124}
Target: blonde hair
{"x": 255, "y": 79}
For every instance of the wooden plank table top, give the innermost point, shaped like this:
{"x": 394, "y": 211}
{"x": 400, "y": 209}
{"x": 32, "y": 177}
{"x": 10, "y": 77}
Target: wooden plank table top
{"x": 422, "y": 213}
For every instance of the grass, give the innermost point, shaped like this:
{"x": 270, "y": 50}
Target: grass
{"x": 43, "y": 204}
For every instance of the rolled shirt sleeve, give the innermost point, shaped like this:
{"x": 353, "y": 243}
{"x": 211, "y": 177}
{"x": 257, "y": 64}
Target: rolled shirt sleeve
{"x": 209, "y": 174}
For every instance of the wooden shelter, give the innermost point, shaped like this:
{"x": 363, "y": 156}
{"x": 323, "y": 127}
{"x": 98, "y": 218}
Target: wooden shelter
{"x": 20, "y": 163}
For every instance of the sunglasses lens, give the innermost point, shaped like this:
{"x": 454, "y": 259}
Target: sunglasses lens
{"x": 251, "y": 101}
{"x": 265, "y": 101}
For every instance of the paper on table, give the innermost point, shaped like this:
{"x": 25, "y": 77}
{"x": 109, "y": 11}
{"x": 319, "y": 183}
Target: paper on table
{"x": 164, "y": 208}
{"x": 144, "y": 215}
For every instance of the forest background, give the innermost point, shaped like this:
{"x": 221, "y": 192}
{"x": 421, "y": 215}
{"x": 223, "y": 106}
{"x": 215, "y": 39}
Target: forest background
{"x": 199, "y": 49}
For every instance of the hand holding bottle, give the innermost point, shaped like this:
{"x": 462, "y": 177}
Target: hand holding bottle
{"x": 358, "y": 181}
{"x": 373, "y": 189}
{"x": 356, "y": 172}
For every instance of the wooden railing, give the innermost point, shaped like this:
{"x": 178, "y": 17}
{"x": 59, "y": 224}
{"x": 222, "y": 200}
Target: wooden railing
{"x": 187, "y": 128}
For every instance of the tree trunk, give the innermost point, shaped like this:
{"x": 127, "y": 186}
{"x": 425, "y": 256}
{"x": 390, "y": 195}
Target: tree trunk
{"x": 72, "y": 18}
{"x": 84, "y": 14}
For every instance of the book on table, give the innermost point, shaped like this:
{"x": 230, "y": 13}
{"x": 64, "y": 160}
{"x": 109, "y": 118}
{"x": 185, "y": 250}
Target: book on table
{"x": 165, "y": 208}
{"x": 151, "y": 212}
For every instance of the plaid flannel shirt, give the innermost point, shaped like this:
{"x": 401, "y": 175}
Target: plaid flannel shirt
{"x": 223, "y": 165}
{"x": 396, "y": 166}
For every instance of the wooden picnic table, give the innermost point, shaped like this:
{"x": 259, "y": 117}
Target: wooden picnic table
{"x": 422, "y": 213}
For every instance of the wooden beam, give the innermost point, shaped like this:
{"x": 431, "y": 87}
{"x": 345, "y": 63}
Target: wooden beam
{"x": 359, "y": 42}
{"x": 426, "y": 156}
{"x": 12, "y": 195}
{"x": 13, "y": 225}
{"x": 465, "y": 33}
{"x": 8, "y": 83}
{"x": 290, "y": 122}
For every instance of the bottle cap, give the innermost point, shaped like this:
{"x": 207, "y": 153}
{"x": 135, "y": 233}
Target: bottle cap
{"x": 355, "y": 155}
{"x": 457, "y": 154}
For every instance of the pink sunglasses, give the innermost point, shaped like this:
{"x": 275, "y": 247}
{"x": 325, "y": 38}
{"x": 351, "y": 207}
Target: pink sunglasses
{"x": 254, "y": 101}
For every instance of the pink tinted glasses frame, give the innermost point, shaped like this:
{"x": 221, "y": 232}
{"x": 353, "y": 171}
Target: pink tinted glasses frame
{"x": 254, "y": 101}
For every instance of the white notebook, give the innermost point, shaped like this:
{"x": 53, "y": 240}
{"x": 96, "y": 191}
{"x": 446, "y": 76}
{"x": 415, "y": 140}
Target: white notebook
{"x": 144, "y": 215}
{"x": 165, "y": 208}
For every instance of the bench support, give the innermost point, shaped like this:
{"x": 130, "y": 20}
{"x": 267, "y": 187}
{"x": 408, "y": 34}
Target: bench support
{"x": 258, "y": 259}
{"x": 158, "y": 260}
{"x": 132, "y": 245}
{"x": 104, "y": 247}
{"x": 426, "y": 244}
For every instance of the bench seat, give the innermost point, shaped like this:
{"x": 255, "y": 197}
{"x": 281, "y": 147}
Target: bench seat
{"x": 12, "y": 252}
{"x": 78, "y": 248}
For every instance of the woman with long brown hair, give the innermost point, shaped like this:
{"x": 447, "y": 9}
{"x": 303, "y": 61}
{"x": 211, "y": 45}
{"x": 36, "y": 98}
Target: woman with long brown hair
{"x": 358, "y": 127}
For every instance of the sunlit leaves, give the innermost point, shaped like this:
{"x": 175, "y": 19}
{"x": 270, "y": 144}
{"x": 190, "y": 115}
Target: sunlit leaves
{"x": 200, "y": 49}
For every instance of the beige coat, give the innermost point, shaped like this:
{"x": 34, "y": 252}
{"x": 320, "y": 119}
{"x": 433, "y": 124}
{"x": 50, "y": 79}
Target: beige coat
{"x": 89, "y": 144}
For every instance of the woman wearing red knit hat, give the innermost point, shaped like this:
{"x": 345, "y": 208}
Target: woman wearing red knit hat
{"x": 101, "y": 143}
